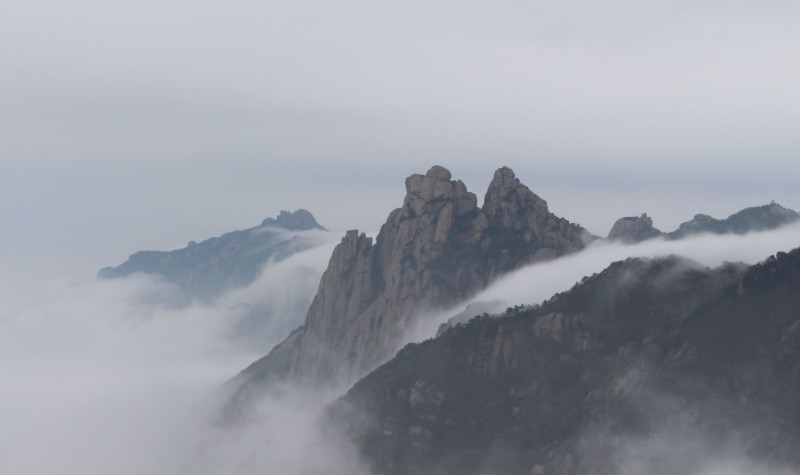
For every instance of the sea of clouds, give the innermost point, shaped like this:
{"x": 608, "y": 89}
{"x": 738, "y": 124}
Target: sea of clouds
{"x": 113, "y": 376}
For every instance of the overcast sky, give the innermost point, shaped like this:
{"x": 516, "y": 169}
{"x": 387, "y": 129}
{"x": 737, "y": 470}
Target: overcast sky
{"x": 144, "y": 124}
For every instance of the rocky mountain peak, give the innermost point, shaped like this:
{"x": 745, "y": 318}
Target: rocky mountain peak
{"x": 521, "y": 226}
{"x": 633, "y": 229}
{"x": 435, "y": 190}
{"x": 300, "y": 220}
{"x": 503, "y": 176}
{"x": 436, "y": 250}
{"x": 439, "y": 173}
{"x": 507, "y": 198}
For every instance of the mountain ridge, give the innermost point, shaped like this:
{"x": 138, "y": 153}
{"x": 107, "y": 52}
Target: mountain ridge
{"x": 557, "y": 388}
{"x": 438, "y": 248}
{"x": 633, "y": 229}
{"x": 232, "y": 260}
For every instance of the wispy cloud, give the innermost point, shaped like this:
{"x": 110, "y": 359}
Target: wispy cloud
{"x": 535, "y": 283}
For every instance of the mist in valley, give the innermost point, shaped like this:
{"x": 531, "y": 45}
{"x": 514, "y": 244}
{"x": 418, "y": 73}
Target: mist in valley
{"x": 536, "y": 283}
{"x": 113, "y": 377}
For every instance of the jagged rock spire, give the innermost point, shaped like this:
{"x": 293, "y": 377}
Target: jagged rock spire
{"x": 436, "y": 250}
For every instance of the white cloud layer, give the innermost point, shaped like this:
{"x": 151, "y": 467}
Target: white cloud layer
{"x": 533, "y": 284}
{"x": 102, "y": 377}
{"x": 110, "y": 377}
{"x": 536, "y": 283}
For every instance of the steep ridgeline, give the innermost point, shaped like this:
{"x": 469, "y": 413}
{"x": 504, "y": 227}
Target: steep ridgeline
{"x": 434, "y": 251}
{"x": 232, "y": 260}
{"x": 652, "y": 366}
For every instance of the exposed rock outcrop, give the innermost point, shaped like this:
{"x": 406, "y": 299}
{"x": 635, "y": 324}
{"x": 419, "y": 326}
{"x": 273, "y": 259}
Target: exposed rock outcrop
{"x": 435, "y": 250}
{"x": 521, "y": 228}
{"x": 634, "y": 229}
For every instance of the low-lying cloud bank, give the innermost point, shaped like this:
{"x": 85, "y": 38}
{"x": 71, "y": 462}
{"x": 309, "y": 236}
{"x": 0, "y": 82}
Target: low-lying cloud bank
{"x": 112, "y": 376}
{"x": 538, "y": 282}
{"x": 266, "y": 311}
{"x": 103, "y": 377}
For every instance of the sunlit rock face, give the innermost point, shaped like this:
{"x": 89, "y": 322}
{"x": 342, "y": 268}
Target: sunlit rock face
{"x": 435, "y": 250}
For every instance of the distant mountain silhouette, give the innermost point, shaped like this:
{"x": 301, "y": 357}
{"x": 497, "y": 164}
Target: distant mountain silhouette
{"x": 233, "y": 260}
{"x": 757, "y": 218}
{"x": 635, "y": 229}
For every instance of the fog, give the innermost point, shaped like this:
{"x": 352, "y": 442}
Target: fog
{"x": 536, "y": 283}
{"x": 533, "y": 284}
{"x": 672, "y": 445}
{"x": 266, "y": 311}
{"x": 109, "y": 377}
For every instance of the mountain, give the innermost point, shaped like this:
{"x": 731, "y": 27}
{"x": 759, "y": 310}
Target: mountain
{"x": 233, "y": 260}
{"x": 633, "y": 229}
{"x": 300, "y": 220}
{"x": 434, "y": 251}
{"x": 651, "y": 366}
{"x": 758, "y": 218}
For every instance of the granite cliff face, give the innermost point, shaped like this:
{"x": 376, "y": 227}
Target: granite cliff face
{"x": 663, "y": 353}
{"x": 434, "y": 251}
{"x": 634, "y": 229}
{"x": 213, "y": 266}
